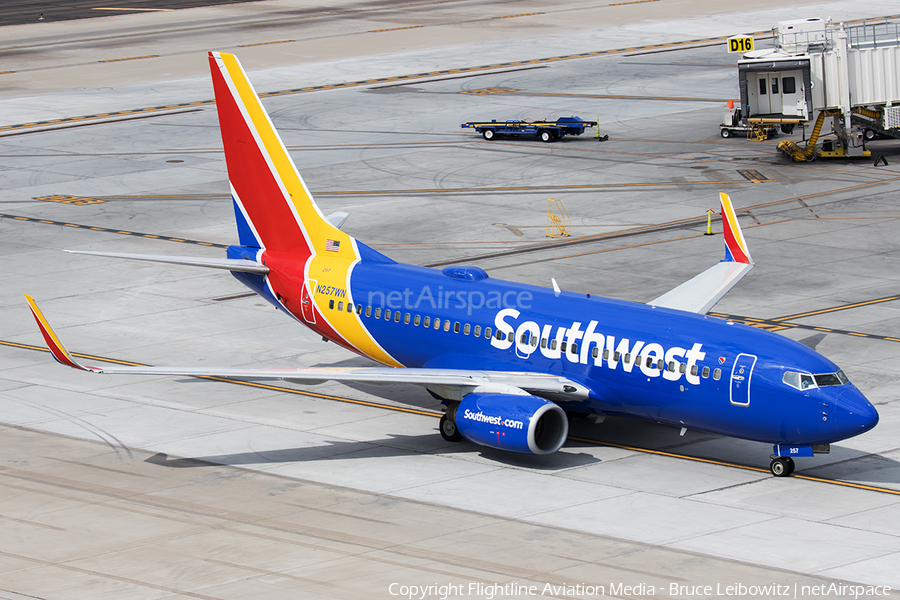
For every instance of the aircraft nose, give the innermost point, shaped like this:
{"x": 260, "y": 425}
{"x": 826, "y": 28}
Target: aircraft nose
{"x": 853, "y": 413}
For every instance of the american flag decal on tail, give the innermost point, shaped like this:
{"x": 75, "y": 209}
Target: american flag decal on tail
{"x": 332, "y": 245}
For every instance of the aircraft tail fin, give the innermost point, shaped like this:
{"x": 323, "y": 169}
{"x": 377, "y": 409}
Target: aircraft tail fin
{"x": 273, "y": 207}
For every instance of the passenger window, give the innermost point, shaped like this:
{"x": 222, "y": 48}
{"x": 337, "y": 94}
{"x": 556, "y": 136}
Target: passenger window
{"x": 595, "y": 352}
{"x": 378, "y": 313}
{"x": 387, "y": 314}
{"x": 331, "y": 303}
{"x": 543, "y": 342}
{"x": 574, "y": 349}
{"x": 683, "y": 367}
{"x": 553, "y": 344}
{"x": 616, "y": 356}
{"x": 660, "y": 364}
{"x": 705, "y": 372}
{"x": 426, "y": 322}
{"x": 562, "y": 347}
{"x": 509, "y": 336}
{"x": 437, "y": 323}
{"x": 606, "y": 354}
{"x": 359, "y": 309}
{"x": 774, "y": 85}
{"x": 762, "y": 87}
{"x": 524, "y": 338}
{"x": 368, "y": 311}
{"x": 417, "y": 320}
{"x": 788, "y": 85}
{"x": 477, "y": 332}
{"x": 534, "y": 341}
{"x": 405, "y": 318}
{"x": 467, "y": 329}
{"x": 717, "y": 374}
{"x": 341, "y": 306}
{"x": 397, "y": 316}
{"x": 447, "y": 325}
{"x": 671, "y": 366}
{"x": 627, "y": 357}
{"x": 487, "y": 333}
{"x": 694, "y": 370}
{"x": 456, "y": 327}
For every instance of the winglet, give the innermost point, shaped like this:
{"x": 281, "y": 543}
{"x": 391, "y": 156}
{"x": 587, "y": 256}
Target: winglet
{"x": 735, "y": 246}
{"x": 59, "y": 351}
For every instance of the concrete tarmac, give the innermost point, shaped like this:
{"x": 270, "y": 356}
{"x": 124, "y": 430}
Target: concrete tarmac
{"x": 176, "y": 487}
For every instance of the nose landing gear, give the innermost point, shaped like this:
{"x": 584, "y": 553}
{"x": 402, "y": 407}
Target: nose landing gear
{"x": 782, "y": 466}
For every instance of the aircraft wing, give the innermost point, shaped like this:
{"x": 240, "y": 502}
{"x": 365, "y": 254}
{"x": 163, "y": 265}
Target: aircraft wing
{"x": 451, "y": 382}
{"x": 700, "y": 294}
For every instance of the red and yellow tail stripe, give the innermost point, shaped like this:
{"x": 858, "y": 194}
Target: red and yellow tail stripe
{"x": 735, "y": 245}
{"x": 282, "y": 212}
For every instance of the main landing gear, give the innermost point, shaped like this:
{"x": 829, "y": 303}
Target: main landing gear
{"x": 782, "y": 466}
{"x": 449, "y": 431}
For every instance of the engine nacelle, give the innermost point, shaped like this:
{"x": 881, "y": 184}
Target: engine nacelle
{"x": 519, "y": 423}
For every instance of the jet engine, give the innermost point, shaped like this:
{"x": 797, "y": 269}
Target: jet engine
{"x": 519, "y": 423}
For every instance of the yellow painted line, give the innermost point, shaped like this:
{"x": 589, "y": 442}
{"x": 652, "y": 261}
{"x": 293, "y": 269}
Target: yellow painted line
{"x": 264, "y": 43}
{"x": 6, "y": 72}
{"x": 395, "y": 28}
{"x": 736, "y": 465}
{"x": 136, "y": 9}
{"x": 521, "y": 15}
{"x": 120, "y": 60}
{"x": 632, "y": 2}
{"x": 822, "y": 329}
{"x": 837, "y": 308}
{"x": 529, "y": 188}
{"x": 890, "y": 339}
{"x": 857, "y": 334}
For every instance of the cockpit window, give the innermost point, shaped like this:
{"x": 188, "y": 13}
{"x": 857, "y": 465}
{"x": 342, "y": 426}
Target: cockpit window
{"x": 826, "y": 379}
{"x": 804, "y": 381}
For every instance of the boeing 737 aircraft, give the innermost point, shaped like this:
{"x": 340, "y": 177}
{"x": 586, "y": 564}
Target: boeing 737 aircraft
{"x": 511, "y": 362}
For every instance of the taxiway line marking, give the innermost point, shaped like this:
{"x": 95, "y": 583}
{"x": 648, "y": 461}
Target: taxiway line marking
{"x": 837, "y": 308}
{"x": 511, "y": 92}
{"x": 437, "y": 414}
{"x": 116, "y": 231}
{"x": 349, "y": 84}
{"x": 109, "y": 60}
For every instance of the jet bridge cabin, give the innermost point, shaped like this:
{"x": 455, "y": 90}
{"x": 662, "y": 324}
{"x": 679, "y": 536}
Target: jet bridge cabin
{"x": 818, "y": 69}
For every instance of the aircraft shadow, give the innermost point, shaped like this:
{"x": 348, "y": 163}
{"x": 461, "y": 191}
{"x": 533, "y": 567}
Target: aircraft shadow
{"x": 392, "y": 446}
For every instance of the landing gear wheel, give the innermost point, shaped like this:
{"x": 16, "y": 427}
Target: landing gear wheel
{"x": 488, "y": 134}
{"x": 725, "y": 133}
{"x": 790, "y": 464}
{"x": 546, "y": 136}
{"x": 869, "y": 134}
{"x": 787, "y": 128}
{"x": 449, "y": 431}
{"x": 781, "y": 467}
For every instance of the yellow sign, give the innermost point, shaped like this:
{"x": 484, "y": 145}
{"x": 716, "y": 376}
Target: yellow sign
{"x": 740, "y": 44}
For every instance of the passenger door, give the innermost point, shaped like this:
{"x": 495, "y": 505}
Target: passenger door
{"x": 740, "y": 379}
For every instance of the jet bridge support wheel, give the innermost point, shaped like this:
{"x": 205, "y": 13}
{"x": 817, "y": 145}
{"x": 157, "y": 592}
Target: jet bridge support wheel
{"x": 449, "y": 431}
{"x": 782, "y": 466}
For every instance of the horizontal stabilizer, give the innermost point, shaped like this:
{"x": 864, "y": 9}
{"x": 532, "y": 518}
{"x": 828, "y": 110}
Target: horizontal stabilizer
{"x": 229, "y": 264}
{"x": 701, "y": 293}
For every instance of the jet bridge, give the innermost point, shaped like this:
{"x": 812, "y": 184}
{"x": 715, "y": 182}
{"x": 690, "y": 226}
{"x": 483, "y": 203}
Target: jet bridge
{"x": 818, "y": 70}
